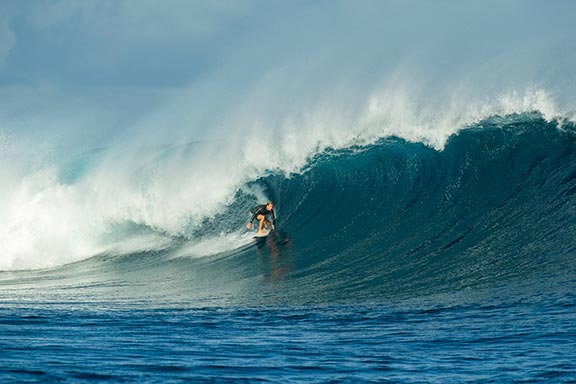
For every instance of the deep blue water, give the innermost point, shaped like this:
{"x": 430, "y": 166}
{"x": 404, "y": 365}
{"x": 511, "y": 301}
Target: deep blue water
{"x": 516, "y": 341}
{"x": 393, "y": 262}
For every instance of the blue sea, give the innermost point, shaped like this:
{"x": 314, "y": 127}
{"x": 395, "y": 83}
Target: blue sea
{"x": 391, "y": 262}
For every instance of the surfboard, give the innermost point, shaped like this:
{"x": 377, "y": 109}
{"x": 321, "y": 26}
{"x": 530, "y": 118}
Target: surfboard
{"x": 263, "y": 235}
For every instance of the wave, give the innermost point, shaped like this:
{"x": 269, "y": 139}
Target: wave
{"x": 496, "y": 204}
{"x": 62, "y": 205}
{"x": 390, "y": 218}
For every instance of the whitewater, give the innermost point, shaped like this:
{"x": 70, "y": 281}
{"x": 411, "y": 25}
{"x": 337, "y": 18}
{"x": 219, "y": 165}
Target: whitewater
{"x": 422, "y": 165}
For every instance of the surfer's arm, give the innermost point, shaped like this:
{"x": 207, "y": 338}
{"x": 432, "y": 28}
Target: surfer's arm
{"x": 273, "y": 218}
{"x": 249, "y": 224}
{"x": 254, "y": 214}
{"x": 253, "y": 217}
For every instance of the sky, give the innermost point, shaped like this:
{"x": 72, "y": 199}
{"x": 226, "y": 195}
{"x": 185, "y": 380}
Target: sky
{"x": 86, "y": 71}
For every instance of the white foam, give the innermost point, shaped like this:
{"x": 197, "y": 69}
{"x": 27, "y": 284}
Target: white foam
{"x": 215, "y": 245}
{"x": 44, "y": 224}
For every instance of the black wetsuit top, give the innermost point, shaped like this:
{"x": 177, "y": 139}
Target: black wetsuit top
{"x": 261, "y": 210}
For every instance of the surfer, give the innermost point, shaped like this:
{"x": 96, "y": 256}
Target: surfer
{"x": 260, "y": 212}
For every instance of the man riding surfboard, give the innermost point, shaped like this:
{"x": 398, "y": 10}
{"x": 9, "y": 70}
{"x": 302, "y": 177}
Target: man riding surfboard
{"x": 260, "y": 212}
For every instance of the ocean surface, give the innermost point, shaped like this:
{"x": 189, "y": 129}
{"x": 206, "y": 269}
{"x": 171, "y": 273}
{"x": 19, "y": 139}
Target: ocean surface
{"x": 392, "y": 261}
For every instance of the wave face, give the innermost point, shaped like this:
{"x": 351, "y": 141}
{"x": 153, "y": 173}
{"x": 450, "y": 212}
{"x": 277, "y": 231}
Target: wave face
{"x": 496, "y": 205}
{"x": 392, "y": 219}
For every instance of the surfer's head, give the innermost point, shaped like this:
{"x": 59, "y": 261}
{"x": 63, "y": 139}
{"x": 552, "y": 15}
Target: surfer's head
{"x": 269, "y": 205}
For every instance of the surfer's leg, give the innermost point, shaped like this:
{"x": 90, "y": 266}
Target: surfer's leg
{"x": 260, "y": 219}
{"x": 267, "y": 223}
